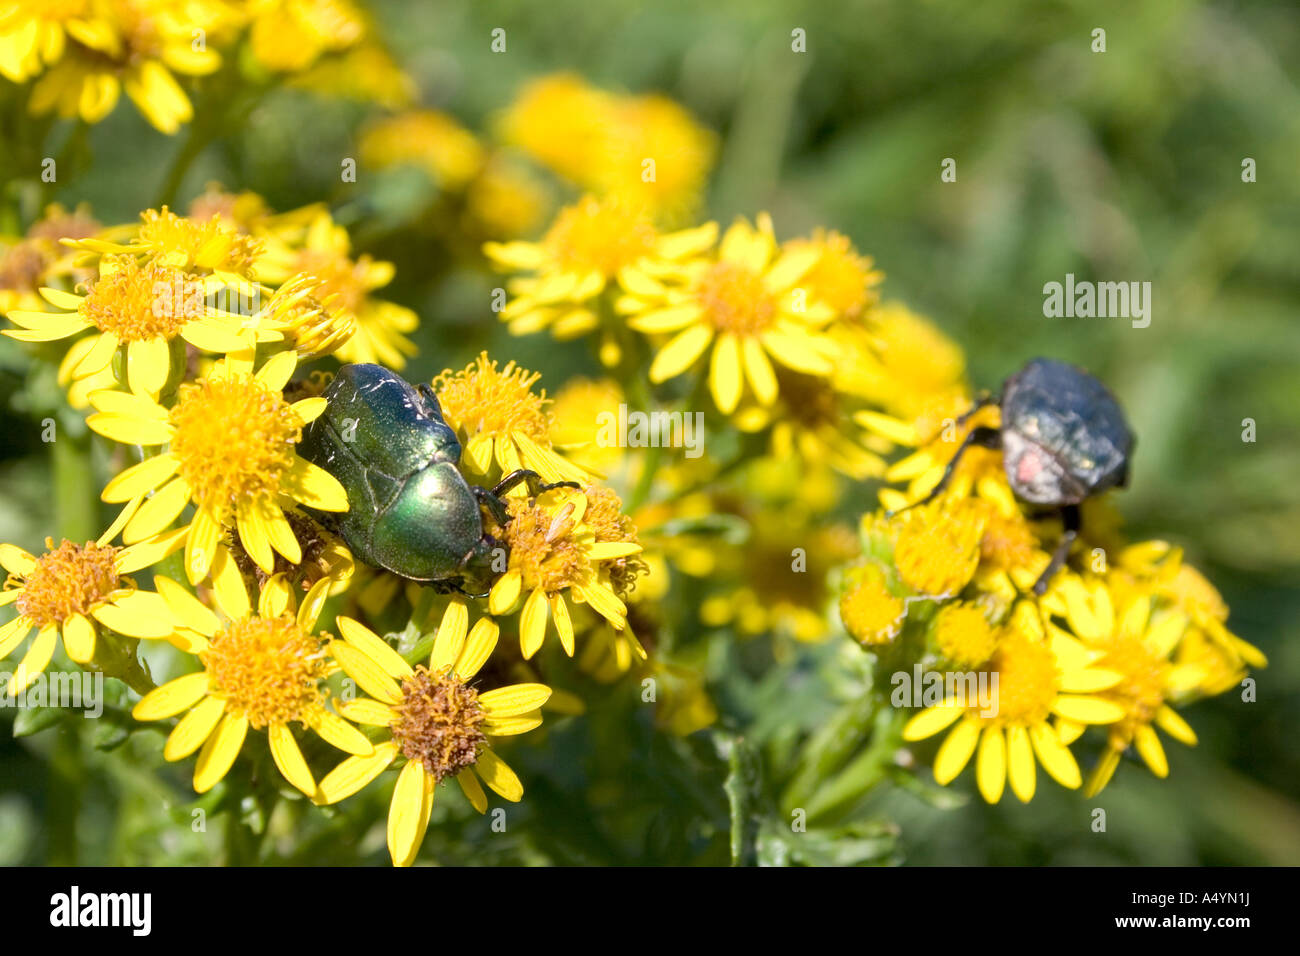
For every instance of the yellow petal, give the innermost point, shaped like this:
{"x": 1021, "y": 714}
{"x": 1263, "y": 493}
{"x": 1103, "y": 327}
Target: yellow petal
{"x": 505, "y": 593}
{"x": 202, "y": 548}
{"x": 991, "y": 764}
{"x": 1055, "y": 756}
{"x": 363, "y": 710}
{"x": 172, "y": 697}
{"x": 338, "y": 732}
{"x": 680, "y": 353}
{"x": 373, "y": 646}
{"x": 156, "y": 514}
{"x": 405, "y": 811}
{"x": 509, "y": 726}
{"x": 193, "y": 729}
{"x": 1088, "y": 710}
{"x": 312, "y": 603}
{"x": 137, "y": 614}
{"x": 479, "y": 646}
{"x": 469, "y": 785}
{"x": 219, "y": 752}
{"x": 141, "y": 478}
{"x": 79, "y": 638}
{"x": 313, "y": 486}
{"x": 931, "y": 720}
{"x": 955, "y": 751}
{"x": 515, "y": 699}
{"x": 1148, "y": 745}
{"x": 361, "y": 668}
{"x": 498, "y": 776}
{"x": 189, "y": 610}
{"x": 1020, "y": 764}
{"x": 563, "y": 623}
{"x": 35, "y": 660}
{"x": 532, "y": 623}
{"x": 450, "y": 641}
{"x": 148, "y": 363}
{"x": 1168, "y": 720}
{"x": 762, "y": 378}
{"x": 228, "y": 586}
{"x": 1102, "y": 773}
{"x": 354, "y": 773}
{"x": 16, "y": 561}
{"x": 287, "y": 756}
{"x": 725, "y": 380}
{"x": 13, "y": 633}
{"x": 277, "y": 371}
{"x": 131, "y": 431}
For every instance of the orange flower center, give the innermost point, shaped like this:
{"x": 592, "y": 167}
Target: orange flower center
{"x": 68, "y": 580}
{"x": 138, "y": 303}
{"x": 267, "y": 669}
{"x": 543, "y": 547}
{"x": 235, "y": 440}
{"x": 601, "y": 237}
{"x": 1027, "y": 680}
{"x": 735, "y": 299}
{"x": 483, "y": 399}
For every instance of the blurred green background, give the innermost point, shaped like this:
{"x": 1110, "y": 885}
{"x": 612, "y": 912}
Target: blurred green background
{"x": 1124, "y": 165}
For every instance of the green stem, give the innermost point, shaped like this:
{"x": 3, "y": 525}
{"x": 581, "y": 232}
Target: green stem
{"x": 64, "y": 796}
{"x": 74, "y": 488}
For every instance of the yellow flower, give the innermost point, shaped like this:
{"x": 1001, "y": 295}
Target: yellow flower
{"x": 501, "y": 421}
{"x": 505, "y": 200}
{"x": 428, "y": 139}
{"x": 136, "y": 46}
{"x": 344, "y": 290}
{"x": 289, "y": 35}
{"x": 437, "y": 720}
{"x": 744, "y": 303}
{"x": 840, "y": 277}
{"x": 963, "y": 634}
{"x": 212, "y": 244}
{"x": 297, "y": 311}
{"x": 1134, "y": 640}
{"x": 1038, "y": 676}
{"x": 577, "y": 422}
{"x": 586, "y": 247}
{"x": 366, "y": 73}
{"x": 71, "y": 591}
{"x": 902, "y": 364}
{"x": 554, "y": 547}
{"x": 230, "y": 450}
{"x": 142, "y": 307}
{"x": 34, "y": 35}
{"x": 938, "y": 547}
{"x": 262, "y": 670}
{"x": 38, "y": 259}
{"x": 560, "y": 121}
{"x": 871, "y": 614}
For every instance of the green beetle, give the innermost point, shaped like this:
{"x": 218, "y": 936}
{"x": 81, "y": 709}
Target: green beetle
{"x": 411, "y": 511}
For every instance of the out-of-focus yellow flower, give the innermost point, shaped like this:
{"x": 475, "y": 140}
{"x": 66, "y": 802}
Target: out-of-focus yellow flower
{"x": 577, "y": 423}
{"x": 261, "y": 670}
{"x": 71, "y": 591}
{"x": 39, "y": 259}
{"x": 560, "y": 121}
{"x": 230, "y": 441}
{"x": 901, "y": 363}
{"x": 504, "y": 200}
{"x": 345, "y": 291}
{"x": 34, "y": 35}
{"x": 437, "y": 720}
{"x": 134, "y": 46}
{"x": 587, "y": 246}
{"x": 428, "y": 139}
{"x": 366, "y": 72}
{"x": 647, "y": 150}
{"x": 289, "y": 35}
{"x": 501, "y": 421}
{"x": 871, "y": 613}
{"x": 843, "y": 279}
{"x": 743, "y": 303}
{"x": 1038, "y": 676}
{"x": 208, "y": 245}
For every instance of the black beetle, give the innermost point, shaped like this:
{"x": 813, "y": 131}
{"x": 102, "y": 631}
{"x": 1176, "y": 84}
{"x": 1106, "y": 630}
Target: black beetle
{"x": 1063, "y": 438}
{"x": 411, "y": 511}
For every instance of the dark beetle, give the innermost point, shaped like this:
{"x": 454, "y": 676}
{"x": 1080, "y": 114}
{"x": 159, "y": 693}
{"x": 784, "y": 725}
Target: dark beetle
{"x": 411, "y": 510}
{"x": 1063, "y": 439}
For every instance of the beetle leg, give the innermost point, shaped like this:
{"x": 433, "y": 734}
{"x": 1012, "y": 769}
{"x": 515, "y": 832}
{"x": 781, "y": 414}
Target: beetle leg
{"x": 534, "y": 480}
{"x": 1072, "y": 519}
{"x": 490, "y": 501}
{"x": 982, "y": 400}
{"x": 984, "y": 437}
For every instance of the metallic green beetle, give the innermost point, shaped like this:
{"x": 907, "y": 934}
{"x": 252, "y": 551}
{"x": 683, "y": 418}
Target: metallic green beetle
{"x": 411, "y": 510}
